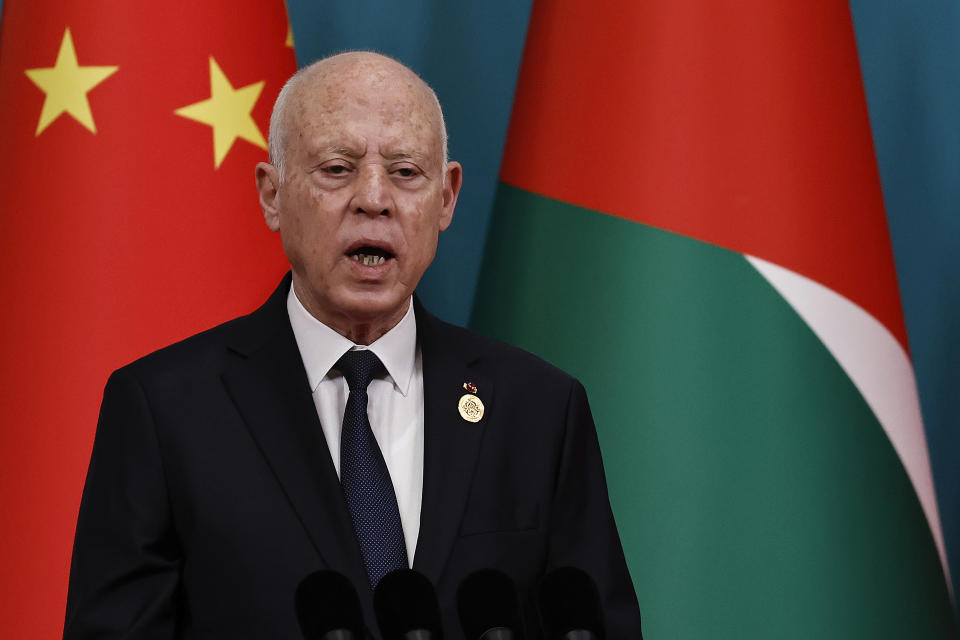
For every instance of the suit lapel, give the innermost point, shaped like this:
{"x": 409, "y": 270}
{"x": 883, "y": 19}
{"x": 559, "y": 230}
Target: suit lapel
{"x": 268, "y": 384}
{"x": 451, "y": 444}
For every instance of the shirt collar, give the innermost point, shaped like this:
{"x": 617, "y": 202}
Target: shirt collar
{"x": 320, "y": 346}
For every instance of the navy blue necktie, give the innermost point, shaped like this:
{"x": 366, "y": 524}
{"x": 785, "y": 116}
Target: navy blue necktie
{"x": 364, "y": 476}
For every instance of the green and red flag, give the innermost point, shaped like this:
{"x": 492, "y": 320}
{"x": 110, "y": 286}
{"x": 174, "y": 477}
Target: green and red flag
{"x": 690, "y": 220}
{"x": 129, "y": 220}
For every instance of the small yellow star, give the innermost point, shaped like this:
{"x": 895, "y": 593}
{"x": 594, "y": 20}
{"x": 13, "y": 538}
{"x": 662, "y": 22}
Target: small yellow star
{"x": 286, "y": 11}
{"x": 66, "y": 84}
{"x": 227, "y": 111}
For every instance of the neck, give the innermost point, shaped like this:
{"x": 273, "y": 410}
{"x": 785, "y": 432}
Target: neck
{"x": 360, "y": 333}
{"x": 364, "y": 331}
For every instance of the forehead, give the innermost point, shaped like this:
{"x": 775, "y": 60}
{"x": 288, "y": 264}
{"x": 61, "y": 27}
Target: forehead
{"x": 376, "y": 105}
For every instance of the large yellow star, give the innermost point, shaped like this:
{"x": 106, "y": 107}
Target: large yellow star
{"x": 66, "y": 84}
{"x": 228, "y": 112}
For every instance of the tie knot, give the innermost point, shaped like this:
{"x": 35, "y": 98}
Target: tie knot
{"x": 359, "y": 368}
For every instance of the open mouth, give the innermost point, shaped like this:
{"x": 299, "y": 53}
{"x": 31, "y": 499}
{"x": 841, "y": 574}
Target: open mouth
{"x": 370, "y": 256}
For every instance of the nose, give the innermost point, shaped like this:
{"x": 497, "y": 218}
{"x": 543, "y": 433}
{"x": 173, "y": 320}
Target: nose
{"x": 372, "y": 196}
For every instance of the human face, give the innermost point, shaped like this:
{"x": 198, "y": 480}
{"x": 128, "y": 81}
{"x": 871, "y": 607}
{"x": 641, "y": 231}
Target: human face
{"x": 364, "y": 197}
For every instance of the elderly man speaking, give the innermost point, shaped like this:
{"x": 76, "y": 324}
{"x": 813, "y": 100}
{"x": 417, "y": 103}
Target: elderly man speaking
{"x": 339, "y": 426}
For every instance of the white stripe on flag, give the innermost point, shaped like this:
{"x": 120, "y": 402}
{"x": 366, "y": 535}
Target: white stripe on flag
{"x": 879, "y": 368}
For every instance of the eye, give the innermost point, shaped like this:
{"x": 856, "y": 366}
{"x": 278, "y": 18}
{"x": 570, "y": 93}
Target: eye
{"x": 336, "y": 169}
{"x": 406, "y": 172}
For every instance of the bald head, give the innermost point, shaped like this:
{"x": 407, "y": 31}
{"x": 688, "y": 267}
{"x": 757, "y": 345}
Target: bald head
{"x": 330, "y": 79}
{"x": 359, "y": 189}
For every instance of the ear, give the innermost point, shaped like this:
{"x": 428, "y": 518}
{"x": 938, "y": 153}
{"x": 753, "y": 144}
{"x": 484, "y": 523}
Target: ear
{"x": 268, "y": 184}
{"x": 451, "y": 189}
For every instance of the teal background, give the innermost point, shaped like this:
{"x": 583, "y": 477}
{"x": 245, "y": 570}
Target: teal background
{"x": 910, "y": 58}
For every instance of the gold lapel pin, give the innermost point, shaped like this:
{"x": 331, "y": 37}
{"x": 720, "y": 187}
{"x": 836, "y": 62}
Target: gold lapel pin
{"x": 470, "y": 406}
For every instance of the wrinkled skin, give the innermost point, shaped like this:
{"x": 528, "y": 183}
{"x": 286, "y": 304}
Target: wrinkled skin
{"x": 363, "y": 168}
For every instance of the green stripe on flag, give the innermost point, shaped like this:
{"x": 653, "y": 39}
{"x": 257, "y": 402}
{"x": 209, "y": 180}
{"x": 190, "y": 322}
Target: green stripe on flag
{"x": 756, "y": 494}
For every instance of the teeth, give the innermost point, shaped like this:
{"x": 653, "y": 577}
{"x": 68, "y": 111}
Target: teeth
{"x": 368, "y": 260}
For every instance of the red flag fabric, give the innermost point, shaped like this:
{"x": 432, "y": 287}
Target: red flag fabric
{"x": 129, "y": 220}
{"x": 752, "y": 88}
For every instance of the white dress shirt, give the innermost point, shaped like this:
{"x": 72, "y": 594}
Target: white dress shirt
{"x": 394, "y": 404}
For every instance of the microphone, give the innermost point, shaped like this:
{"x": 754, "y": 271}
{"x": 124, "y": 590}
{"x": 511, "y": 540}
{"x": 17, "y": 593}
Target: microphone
{"x": 406, "y": 607}
{"x": 489, "y": 607}
{"x": 328, "y": 607}
{"x": 569, "y": 604}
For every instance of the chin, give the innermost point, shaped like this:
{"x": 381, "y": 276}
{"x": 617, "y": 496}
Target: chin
{"x": 369, "y": 307}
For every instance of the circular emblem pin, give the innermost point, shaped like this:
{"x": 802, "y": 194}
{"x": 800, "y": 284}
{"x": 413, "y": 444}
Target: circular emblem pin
{"x": 471, "y": 408}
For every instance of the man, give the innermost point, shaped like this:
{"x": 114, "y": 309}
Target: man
{"x": 231, "y": 465}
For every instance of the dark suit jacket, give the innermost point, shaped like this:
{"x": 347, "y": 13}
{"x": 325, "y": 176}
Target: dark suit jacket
{"x": 211, "y": 492}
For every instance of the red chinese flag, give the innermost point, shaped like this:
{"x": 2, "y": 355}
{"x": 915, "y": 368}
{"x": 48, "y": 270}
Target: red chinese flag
{"x": 130, "y": 131}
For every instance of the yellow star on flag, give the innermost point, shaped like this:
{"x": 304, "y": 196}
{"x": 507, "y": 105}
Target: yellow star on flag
{"x": 66, "y": 84}
{"x": 227, "y": 111}
{"x": 286, "y": 11}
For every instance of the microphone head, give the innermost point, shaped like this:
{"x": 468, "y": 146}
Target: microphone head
{"x": 487, "y": 599}
{"x": 569, "y": 600}
{"x": 326, "y": 601}
{"x": 404, "y": 601}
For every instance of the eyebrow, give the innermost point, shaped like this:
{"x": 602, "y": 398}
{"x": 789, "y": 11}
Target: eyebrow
{"x": 354, "y": 154}
{"x": 343, "y": 151}
{"x": 407, "y": 155}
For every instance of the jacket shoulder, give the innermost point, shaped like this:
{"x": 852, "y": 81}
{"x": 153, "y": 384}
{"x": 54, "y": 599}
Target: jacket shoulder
{"x": 199, "y": 351}
{"x": 211, "y": 347}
